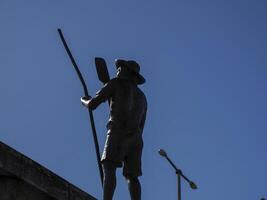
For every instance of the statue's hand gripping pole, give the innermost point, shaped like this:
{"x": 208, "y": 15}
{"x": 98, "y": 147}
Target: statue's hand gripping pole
{"x": 90, "y": 111}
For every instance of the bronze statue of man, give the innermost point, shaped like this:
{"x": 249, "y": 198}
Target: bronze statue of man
{"x": 124, "y": 143}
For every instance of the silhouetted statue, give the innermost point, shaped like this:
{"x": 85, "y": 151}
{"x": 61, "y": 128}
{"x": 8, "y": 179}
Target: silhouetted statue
{"x": 124, "y": 143}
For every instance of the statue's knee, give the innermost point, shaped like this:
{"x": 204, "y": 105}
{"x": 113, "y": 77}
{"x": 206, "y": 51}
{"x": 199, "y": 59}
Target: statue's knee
{"x": 132, "y": 179}
{"x": 109, "y": 170}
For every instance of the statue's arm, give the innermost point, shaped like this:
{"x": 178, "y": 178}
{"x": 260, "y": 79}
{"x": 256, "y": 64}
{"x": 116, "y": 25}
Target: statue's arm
{"x": 101, "y": 96}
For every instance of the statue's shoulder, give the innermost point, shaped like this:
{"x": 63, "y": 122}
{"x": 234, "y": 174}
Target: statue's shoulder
{"x": 142, "y": 95}
{"x": 112, "y": 84}
{"x": 141, "y": 91}
{"x": 113, "y": 81}
{"x": 118, "y": 80}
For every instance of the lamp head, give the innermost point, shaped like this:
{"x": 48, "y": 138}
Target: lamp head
{"x": 162, "y": 153}
{"x": 193, "y": 185}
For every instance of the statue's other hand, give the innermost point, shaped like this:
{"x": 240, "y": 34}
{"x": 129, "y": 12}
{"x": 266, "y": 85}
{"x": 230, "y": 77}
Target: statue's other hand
{"x": 85, "y": 100}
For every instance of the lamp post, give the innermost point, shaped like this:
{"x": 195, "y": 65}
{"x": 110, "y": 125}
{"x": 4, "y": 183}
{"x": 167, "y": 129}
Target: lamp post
{"x": 179, "y": 174}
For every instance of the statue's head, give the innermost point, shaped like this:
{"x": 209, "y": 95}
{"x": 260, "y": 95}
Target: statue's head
{"x": 130, "y": 69}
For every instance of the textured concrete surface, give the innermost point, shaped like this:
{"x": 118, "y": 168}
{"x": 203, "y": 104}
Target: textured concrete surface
{"x": 23, "y": 179}
{"x": 12, "y": 188}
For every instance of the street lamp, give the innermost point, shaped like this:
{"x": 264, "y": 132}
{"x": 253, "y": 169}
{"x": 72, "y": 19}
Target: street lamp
{"x": 179, "y": 174}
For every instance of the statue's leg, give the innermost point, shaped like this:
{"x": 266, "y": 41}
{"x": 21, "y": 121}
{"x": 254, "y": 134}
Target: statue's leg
{"x": 134, "y": 187}
{"x": 132, "y": 167}
{"x": 109, "y": 185}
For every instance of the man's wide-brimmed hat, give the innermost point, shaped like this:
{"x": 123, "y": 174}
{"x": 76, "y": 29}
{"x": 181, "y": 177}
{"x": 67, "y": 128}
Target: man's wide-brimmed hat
{"x": 133, "y": 67}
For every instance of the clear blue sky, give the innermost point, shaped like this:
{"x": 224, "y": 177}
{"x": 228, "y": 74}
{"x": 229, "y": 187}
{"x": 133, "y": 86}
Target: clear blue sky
{"x": 206, "y": 68}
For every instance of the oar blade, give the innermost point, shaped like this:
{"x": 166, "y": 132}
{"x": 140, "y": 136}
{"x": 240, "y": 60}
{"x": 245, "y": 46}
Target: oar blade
{"x": 102, "y": 70}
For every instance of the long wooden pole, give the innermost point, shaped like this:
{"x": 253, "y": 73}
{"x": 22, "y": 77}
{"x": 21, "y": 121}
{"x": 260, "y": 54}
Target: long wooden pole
{"x": 86, "y": 93}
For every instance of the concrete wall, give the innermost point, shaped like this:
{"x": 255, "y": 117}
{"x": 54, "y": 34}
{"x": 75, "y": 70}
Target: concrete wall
{"x": 23, "y": 179}
{"x": 16, "y": 189}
